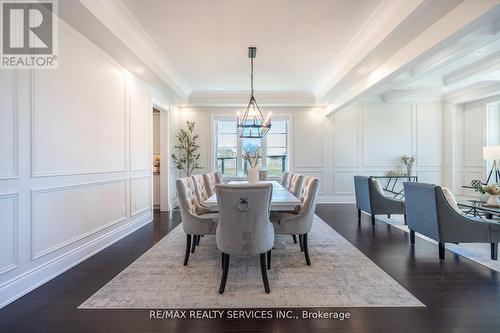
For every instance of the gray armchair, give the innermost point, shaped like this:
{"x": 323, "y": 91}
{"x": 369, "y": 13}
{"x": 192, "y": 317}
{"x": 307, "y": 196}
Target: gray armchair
{"x": 299, "y": 223}
{"x": 295, "y": 184}
{"x": 244, "y": 227}
{"x": 284, "y": 179}
{"x": 196, "y": 219}
{"x": 370, "y": 198}
{"x": 262, "y": 174}
{"x": 432, "y": 214}
{"x": 210, "y": 180}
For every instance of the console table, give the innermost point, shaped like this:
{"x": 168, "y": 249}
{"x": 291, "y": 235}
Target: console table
{"x": 392, "y": 181}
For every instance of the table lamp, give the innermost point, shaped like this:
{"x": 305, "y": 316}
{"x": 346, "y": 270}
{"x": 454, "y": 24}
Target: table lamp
{"x": 492, "y": 153}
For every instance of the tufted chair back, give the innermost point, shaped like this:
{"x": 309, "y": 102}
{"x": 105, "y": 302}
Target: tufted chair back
{"x": 308, "y": 195}
{"x": 200, "y": 189}
{"x": 295, "y": 184}
{"x": 244, "y": 227}
{"x": 196, "y": 219}
{"x": 210, "y": 180}
{"x": 284, "y": 179}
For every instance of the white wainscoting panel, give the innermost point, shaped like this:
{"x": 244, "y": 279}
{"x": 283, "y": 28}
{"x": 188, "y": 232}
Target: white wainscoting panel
{"x": 140, "y": 194}
{"x": 343, "y": 182}
{"x": 474, "y": 138}
{"x": 140, "y": 125}
{"x": 64, "y": 215}
{"x": 345, "y": 138}
{"x": 386, "y": 133}
{"x": 308, "y": 139}
{"x": 8, "y": 125}
{"x": 430, "y": 135}
{"x": 78, "y": 116}
{"x": 9, "y": 223}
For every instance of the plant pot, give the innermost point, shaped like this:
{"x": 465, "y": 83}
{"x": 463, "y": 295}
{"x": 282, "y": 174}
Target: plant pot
{"x": 493, "y": 200}
{"x": 253, "y": 175}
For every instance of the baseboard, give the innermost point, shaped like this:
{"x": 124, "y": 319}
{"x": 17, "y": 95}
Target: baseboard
{"x": 32, "y": 279}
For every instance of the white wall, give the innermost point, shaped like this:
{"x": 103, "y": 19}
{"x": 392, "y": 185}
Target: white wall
{"x": 311, "y": 152}
{"x": 75, "y": 167}
{"x": 369, "y": 139}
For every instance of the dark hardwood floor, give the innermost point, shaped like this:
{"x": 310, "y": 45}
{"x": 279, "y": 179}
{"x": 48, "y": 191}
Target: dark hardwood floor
{"x": 461, "y": 296}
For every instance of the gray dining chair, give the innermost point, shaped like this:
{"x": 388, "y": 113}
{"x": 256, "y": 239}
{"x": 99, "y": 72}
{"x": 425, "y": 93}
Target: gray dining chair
{"x": 284, "y": 179}
{"x": 196, "y": 219}
{"x": 244, "y": 227}
{"x": 299, "y": 223}
{"x": 295, "y": 184}
{"x": 262, "y": 174}
{"x": 432, "y": 211}
{"x": 200, "y": 189}
{"x": 370, "y": 198}
{"x": 211, "y": 179}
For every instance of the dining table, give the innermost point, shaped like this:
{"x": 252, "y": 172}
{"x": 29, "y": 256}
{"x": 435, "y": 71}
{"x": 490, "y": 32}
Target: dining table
{"x": 282, "y": 199}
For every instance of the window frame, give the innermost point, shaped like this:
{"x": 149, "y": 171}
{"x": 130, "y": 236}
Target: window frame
{"x": 239, "y": 160}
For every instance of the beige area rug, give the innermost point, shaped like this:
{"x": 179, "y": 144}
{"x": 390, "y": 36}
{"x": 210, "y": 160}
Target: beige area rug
{"x": 478, "y": 252}
{"x": 340, "y": 276}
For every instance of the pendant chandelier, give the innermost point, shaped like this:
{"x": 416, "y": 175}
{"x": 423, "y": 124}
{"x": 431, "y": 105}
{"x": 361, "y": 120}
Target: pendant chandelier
{"x": 253, "y": 124}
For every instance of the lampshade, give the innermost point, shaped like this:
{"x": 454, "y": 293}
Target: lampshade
{"x": 491, "y": 153}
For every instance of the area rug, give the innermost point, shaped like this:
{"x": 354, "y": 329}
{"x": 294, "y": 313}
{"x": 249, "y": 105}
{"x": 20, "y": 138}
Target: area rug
{"x": 340, "y": 276}
{"x": 478, "y": 252}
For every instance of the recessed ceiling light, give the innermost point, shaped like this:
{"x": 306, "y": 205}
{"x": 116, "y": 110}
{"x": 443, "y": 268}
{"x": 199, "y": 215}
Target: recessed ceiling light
{"x": 479, "y": 52}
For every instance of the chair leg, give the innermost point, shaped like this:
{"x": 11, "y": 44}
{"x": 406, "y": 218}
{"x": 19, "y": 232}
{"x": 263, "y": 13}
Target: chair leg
{"x": 441, "y": 251}
{"x": 294, "y": 239}
{"x": 412, "y": 237}
{"x": 373, "y": 219}
{"x": 404, "y": 217}
{"x": 188, "y": 247}
{"x": 388, "y": 216}
{"x": 306, "y": 249}
{"x": 494, "y": 251}
{"x": 193, "y": 245}
{"x": 359, "y": 215}
{"x": 269, "y": 259}
{"x": 198, "y": 240}
{"x": 300, "y": 243}
{"x": 222, "y": 260}
{"x": 224, "y": 273}
{"x": 264, "y": 272}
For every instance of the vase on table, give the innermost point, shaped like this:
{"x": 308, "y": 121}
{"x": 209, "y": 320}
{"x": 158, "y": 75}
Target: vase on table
{"x": 253, "y": 175}
{"x": 493, "y": 200}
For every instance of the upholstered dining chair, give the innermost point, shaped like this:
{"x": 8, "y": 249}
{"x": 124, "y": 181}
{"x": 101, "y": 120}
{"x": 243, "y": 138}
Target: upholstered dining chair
{"x": 200, "y": 189}
{"x": 244, "y": 227}
{"x": 262, "y": 174}
{"x": 432, "y": 211}
{"x": 300, "y": 222}
{"x": 370, "y": 198}
{"x": 196, "y": 219}
{"x": 211, "y": 179}
{"x": 295, "y": 184}
{"x": 284, "y": 179}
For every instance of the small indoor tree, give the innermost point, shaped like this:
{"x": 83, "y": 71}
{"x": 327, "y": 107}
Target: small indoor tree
{"x": 187, "y": 155}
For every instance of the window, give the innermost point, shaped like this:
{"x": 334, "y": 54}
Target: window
{"x": 229, "y": 148}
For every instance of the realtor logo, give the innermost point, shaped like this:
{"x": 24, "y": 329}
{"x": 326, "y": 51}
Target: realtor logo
{"x": 29, "y": 34}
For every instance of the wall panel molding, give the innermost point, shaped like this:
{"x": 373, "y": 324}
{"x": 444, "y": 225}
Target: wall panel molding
{"x": 34, "y": 193}
{"x": 15, "y": 235}
{"x": 15, "y": 129}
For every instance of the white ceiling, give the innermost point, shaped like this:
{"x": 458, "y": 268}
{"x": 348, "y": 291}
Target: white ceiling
{"x": 207, "y": 41}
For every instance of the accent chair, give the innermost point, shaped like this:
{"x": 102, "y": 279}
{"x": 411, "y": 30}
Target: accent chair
{"x": 433, "y": 212}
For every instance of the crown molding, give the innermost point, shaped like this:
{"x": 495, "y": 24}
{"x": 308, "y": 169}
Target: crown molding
{"x": 117, "y": 18}
{"x": 241, "y": 98}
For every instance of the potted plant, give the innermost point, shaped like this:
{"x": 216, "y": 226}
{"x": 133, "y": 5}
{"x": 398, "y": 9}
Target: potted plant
{"x": 187, "y": 156}
{"x": 494, "y": 193}
{"x": 251, "y": 155}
